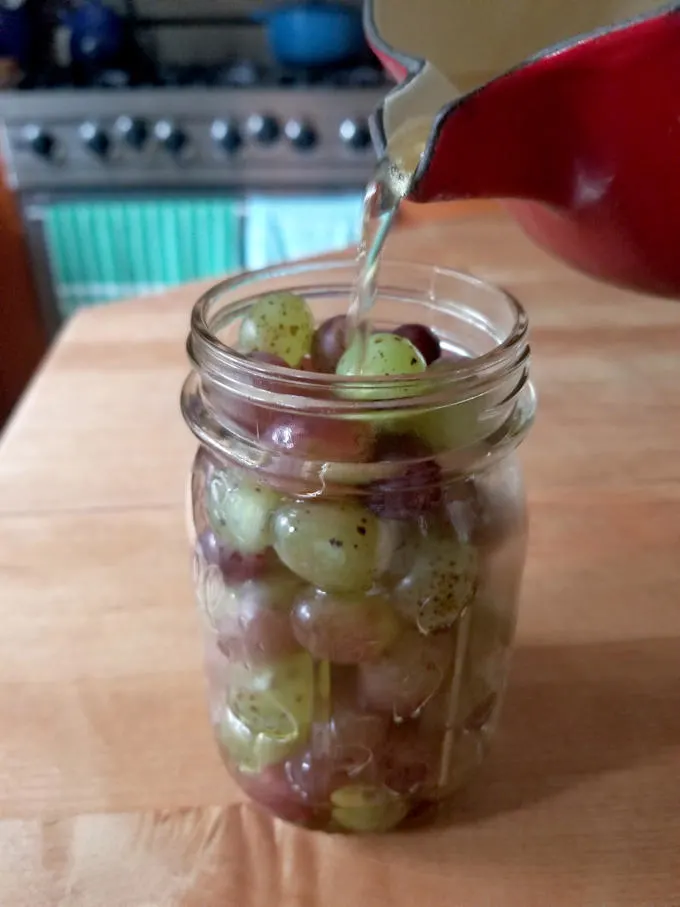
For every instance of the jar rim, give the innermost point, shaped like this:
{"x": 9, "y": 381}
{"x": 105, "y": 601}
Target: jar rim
{"x": 249, "y": 412}
{"x": 209, "y": 353}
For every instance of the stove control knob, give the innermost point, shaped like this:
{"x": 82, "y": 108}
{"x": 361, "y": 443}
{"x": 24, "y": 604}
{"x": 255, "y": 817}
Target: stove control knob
{"x": 95, "y": 139}
{"x": 134, "y": 131}
{"x": 300, "y": 134}
{"x": 264, "y": 129}
{"x": 355, "y": 134}
{"x": 40, "y": 142}
{"x": 225, "y": 133}
{"x": 171, "y": 137}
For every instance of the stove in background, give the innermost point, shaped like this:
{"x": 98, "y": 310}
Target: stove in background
{"x": 135, "y": 181}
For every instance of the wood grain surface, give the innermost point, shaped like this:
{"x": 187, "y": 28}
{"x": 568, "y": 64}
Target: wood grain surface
{"x": 111, "y": 793}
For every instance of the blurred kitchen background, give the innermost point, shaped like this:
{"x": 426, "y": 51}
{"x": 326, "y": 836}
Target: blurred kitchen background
{"x": 150, "y": 142}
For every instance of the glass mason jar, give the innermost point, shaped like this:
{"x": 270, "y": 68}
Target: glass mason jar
{"x": 358, "y": 545}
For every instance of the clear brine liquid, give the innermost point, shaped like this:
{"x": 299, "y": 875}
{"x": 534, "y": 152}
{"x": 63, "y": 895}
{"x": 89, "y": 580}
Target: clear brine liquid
{"x": 390, "y": 185}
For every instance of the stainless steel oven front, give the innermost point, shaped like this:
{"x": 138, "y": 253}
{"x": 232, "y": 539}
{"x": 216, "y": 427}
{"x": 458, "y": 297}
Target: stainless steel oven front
{"x": 128, "y": 192}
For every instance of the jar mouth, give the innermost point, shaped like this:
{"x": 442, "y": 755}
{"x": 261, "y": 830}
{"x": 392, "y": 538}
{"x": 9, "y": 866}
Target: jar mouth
{"x": 468, "y": 411}
{"x": 461, "y": 377}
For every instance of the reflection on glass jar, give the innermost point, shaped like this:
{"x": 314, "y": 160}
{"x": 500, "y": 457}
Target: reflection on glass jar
{"x": 358, "y": 542}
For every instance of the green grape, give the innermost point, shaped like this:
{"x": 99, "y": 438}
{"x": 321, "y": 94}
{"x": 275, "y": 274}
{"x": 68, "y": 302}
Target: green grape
{"x": 240, "y": 511}
{"x": 336, "y": 547}
{"x": 281, "y": 324}
{"x": 453, "y": 427}
{"x": 456, "y": 425}
{"x": 385, "y": 354}
{"x": 365, "y": 808}
{"x": 249, "y": 751}
{"x": 344, "y": 629}
{"x": 441, "y": 583}
{"x": 462, "y": 424}
{"x": 269, "y": 710}
{"x": 275, "y": 699}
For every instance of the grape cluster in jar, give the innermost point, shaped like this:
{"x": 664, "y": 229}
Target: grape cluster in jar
{"x": 356, "y": 644}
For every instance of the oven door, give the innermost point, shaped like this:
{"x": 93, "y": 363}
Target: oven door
{"x": 87, "y": 249}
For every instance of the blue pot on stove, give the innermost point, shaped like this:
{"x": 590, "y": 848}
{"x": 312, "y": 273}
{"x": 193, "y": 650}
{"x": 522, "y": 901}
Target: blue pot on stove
{"x": 97, "y": 34}
{"x": 314, "y": 32}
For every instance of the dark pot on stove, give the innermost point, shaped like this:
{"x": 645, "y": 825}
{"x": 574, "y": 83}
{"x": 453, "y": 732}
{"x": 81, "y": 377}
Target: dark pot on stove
{"x": 97, "y": 34}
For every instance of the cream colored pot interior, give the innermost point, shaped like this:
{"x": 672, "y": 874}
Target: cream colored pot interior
{"x": 469, "y": 42}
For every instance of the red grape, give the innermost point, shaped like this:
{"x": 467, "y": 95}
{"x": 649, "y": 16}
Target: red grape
{"x": 346, "y": 751}
{"x": 258, "y": 629}
{"x": 313, "y": 776}
{"x": 358, "y": 739}
{"x": 344, "y": 629}
{"x": 329, "y": 343}
{"x": 423, "y": 339}
{"x": 410, "y": 758}
{"x": 417, "y": 490}
{"x": 267, "y": 359}
{"x": 252, "y": 416}
{"x": 235, "y": 567}
{"x": 320, "y": 438}
{"x": 408, "y": 675}
{"x": 354, "y": 728}
{"x": 272, "y": 789}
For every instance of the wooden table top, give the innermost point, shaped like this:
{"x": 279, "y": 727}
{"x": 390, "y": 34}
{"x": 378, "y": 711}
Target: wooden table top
{"x": 111, "y": 791}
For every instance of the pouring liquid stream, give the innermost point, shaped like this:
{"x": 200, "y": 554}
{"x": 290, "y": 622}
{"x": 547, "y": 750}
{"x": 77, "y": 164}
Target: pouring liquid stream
{"x": 391, "y": 183}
